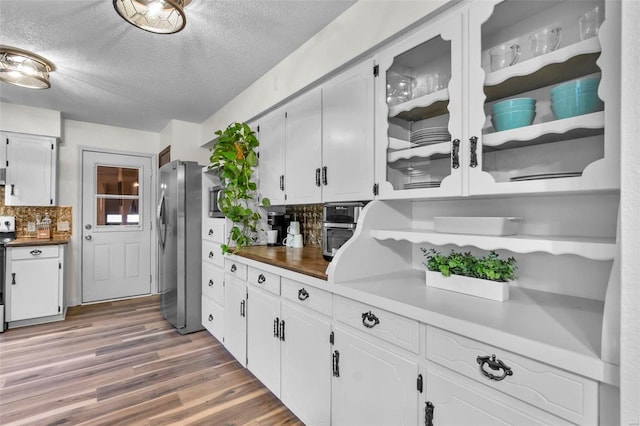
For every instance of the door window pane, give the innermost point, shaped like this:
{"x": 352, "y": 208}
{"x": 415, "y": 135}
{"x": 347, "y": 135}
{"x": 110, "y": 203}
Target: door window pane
{"x": 116, "y": 181}
{"x": 117, "y": 211}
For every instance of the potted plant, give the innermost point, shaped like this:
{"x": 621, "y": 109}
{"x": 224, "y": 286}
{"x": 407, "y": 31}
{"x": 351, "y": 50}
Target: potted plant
{"x": 486, "y": 277}
{"x": 234, "y": 159}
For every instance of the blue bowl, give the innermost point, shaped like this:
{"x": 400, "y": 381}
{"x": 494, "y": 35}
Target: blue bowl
{"x": 580, "y": 92}
{"x": 583, "y": 85}
{"x": 572, "y": 106}
{"x": 513, "y": 119}
{"x": 516, "y": 103}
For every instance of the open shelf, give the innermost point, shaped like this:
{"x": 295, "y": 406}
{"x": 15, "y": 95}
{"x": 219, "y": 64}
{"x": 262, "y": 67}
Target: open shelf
{"x": 434, "y": 151}
{"x": 590, "y": 248}
{"x": 427, "y": 106}
{"x": 553, "y": 131}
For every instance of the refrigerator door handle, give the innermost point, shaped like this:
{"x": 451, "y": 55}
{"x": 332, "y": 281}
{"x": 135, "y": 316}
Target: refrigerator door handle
{"x": 162, "y": 224}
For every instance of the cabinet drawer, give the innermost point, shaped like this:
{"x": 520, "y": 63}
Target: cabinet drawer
{"x": 211, "y": 252}
{"x": 213, "y": 229}
{"x": 311, "y": 297}
{"x": 238, "y": 270}
{"x": 34, "y": 252}
{"x": 388, "y": 326}
{"x": 213, "y": 318}
{"x": 213, "y": 282}
{"x": 564, "y": 394}
{"x": 265, "y": 280}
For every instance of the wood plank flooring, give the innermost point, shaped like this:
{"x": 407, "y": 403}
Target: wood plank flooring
{"x": 121, "y": 363}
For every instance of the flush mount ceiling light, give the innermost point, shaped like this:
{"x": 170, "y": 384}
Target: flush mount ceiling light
{"x": 156, "y": 16}
{"x": 24, "y": 69}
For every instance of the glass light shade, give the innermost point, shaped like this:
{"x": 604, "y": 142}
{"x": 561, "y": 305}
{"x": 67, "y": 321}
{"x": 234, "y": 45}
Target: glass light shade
{"x": 156, "y": 16}
{"x": 24, "y": 69}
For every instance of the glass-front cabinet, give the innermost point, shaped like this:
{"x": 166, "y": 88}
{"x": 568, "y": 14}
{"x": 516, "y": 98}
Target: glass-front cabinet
{"x": 507, "y": 96}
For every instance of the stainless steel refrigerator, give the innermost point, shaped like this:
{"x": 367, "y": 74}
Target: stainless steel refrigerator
{"x": 179, "y": 218}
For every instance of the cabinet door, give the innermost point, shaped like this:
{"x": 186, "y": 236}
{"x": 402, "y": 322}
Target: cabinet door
{"x": 459, "y": 401}
{"x": 263, "y": 338}
{"x": 420, "y": 111}
{"x": 33, "y": 288}
{"x": 372, "y": 385}
{"x": 306, "y": 372}
{"x": 271, "y": 165}
{"x": 548, "y": 152}
{"x": 303, "y": 155}
{"x": 30, "y": 171}
{"x": 347, "y": 135}
{"x": 213, "y": 318}
{"x": 235, "y": 319}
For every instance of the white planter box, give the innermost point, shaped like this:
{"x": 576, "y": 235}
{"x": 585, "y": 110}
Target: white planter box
{"x": 498, "y": 226}
{"x": 486, "y": 289}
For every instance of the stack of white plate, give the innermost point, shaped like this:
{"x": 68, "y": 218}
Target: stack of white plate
{"x": 426, "y": 184}
{"x": 545, "y": 176}
{"x": 430, "y": 135}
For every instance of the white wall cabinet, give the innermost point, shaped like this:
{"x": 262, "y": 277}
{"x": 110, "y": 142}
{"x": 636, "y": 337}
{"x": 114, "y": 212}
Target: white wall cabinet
{"x": 31, "y": 170}
{"x": 271, "y": 166}
{"x": 34, "y": 284}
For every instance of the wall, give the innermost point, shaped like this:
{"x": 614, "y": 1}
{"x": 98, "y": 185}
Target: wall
{"x": 630, "y": 224}
{"x": 359, "y": 29}
{"x": 24, "y": 119}
{"x": 75, "y": 136}
{"x": 184, "y": 138}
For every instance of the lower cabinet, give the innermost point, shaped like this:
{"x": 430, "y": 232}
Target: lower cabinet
{"x": 372, "y": 385}
{"x": 454, "y": 400}
{"x": 235, "y": 318}
{"x": 34, "y": 284}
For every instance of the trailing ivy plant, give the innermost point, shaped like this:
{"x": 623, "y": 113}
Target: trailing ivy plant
{"x": 234, "y": 159}
{"x": 489, "y": 267}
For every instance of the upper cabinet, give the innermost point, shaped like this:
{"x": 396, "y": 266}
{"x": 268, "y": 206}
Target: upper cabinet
{"x": 441, "y": 89}
{"x": 31, "y": 170}
{"x": 319, "y": 147}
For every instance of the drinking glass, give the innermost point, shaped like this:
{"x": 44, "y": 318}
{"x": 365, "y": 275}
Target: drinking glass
{"x": 504, "y": 56}
{"x": 589, "y": 23}
{"x": 545, "y": 41}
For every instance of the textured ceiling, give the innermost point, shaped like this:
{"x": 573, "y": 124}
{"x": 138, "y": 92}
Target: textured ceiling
{"x": 110, "y": 72}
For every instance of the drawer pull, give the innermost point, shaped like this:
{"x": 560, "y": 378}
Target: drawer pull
{"x": 210, "y": 283}
{"x": 276, "y": 328}
{"x": 36, "y": 252}
{"x": 428, "y": 413}
{"x": 261, "y": 279}
{"x": 210, "y": 255}
{"x": 210, "y": 317}
{"x": 303, "y": 294}
{"x": 495, "y": 365}
{"x": 369, "y": 320}
{"x": 234, "y": 268}
{"x": 210, "y": 232}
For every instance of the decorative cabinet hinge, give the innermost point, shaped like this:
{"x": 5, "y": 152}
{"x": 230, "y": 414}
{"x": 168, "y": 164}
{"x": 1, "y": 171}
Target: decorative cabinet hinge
{"x": 258, "y": 129}
{"x": 59, "y": 265}
{"x": 375, "y": 189}
{"x": 428, "y": 413}
{"x": 59, "y": 309}
{"x": 331, "y": 338}
{"x": 376, "y": 70}
{"x": 419, "y": 383}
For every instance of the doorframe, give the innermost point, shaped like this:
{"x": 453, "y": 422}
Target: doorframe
{"x": 152, "y": 210}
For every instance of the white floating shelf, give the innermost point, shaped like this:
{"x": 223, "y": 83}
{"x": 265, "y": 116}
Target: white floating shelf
{"x": 421, "y": 102}
{"x": 590, "y": 248}
{"x": 551, "y": 131}
{"x": 427, "y": 151}
{"x": 591, "y": 45}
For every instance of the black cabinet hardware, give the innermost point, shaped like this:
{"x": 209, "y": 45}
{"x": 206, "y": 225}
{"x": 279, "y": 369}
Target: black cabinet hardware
{"x": 234, "y": 267}
{"x": 455, "y": 156}
{"x": 369, "y": 320}
{"x": 281, "y": 182}
{"x": 336, "y": 363}
{"x": 210, "y": 232}
{"x": 331, "y": 338}
{"x": 242, "y": 308}
{"x": 324, "y": 175}
{"x": 210, "y": 317}
{"x": 318, "y": 176}
{"x": 495, "y": 365}
{"x": 473, "y": 144}
{"x": 13, "y": 187}
{"x": 420, "y": 384}
{"x": 428, "y": 413}
{"x": 210, "y": 255}
{"x": 261, "y": 278}
{"x": 282, "y": 330}
{"x": 36, "y": 252}
{"x": 210, "y": 283}
{"x": 13, "y": 278}
{"x": 303, "y": 294}
{"x": 276, "y": 329}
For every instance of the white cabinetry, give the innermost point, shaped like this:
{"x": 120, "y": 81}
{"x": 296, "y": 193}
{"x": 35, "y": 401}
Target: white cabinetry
{"x": 475, "y": 158}
{"x": 372, "y": 383}
{"x": 265, "y": 330}
{"x": 235, "y": 318}
{"x": 34, "y": 284}
{"x": 31, "y": 170}
{"x": 272, "y": 154}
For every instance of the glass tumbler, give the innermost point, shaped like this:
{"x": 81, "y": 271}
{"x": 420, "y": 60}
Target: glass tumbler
{"x": 589, "y": 23}
{"x": 545, "y": 41}
{"x": 504, "y": 56}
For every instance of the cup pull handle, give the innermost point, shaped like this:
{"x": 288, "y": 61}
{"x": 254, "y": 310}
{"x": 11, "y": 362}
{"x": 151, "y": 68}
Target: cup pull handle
{"x": 261, "y": 279}
{"x": 303, "y": 294}
{"x": 495, "y": 365}
{"x": 369, "y": 320}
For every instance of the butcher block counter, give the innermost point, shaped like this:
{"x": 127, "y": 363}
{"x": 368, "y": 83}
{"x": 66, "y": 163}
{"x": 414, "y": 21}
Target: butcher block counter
{"x": 21, "y": 242}
{"x": 305, "y": 260}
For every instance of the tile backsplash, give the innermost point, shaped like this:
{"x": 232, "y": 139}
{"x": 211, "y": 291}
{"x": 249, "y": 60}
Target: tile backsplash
{"x": 26, "y": 214}
{"x": 310, "y": 218}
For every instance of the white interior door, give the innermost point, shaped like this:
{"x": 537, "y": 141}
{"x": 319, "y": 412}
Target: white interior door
{"x": 116, "y": 228}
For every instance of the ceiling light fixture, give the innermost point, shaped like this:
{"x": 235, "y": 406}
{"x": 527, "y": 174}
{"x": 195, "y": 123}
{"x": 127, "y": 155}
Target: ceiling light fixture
{"x": 156, "y": 16}
{"x": 23, "y": 68}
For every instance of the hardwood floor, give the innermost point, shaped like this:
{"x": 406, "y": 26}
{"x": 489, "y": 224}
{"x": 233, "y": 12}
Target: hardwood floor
{"x": 121, "y": 363}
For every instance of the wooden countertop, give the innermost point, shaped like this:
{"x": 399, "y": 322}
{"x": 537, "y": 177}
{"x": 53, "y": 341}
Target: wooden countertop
{"x": 21, "y": 242}
{"x": 306, "y": 260}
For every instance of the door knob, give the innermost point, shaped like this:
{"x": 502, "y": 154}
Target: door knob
{"x": 87, "y": 237}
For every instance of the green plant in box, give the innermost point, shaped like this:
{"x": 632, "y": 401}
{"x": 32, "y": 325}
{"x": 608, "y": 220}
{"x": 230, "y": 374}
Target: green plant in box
{"x": 234, "y": 159}
{"x": 489, "y": 267}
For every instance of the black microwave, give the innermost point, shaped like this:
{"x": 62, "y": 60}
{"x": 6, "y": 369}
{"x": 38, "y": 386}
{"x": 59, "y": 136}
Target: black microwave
{"x": 214, "y": 201}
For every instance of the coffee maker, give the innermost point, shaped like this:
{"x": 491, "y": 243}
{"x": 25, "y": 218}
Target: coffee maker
{"x": 280, "y": 222}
